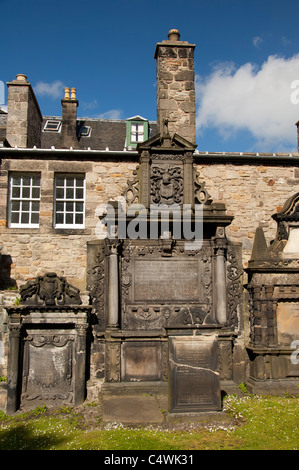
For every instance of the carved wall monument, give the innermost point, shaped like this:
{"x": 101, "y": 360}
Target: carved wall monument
{"x": 162, "y": 301}
{"x": 47, "y": 345}
{"x": 274, "y": 290}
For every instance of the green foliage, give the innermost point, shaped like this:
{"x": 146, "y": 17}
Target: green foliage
{"x": 247, "y": 422}
{"x": 243, "y": 387}
{"x": 3, "y": 379}
{"x": 17, "y": 301}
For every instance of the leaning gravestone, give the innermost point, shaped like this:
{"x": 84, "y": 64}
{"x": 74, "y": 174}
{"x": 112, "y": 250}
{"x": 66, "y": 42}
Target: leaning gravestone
{"x": 194, "y": 380}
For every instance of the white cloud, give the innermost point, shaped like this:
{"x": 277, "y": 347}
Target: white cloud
{"x": 53, "y": 90}
{"x": 111, "y": 114}
{"x": 251, "y": 98}
{"x": 257, "y": 40}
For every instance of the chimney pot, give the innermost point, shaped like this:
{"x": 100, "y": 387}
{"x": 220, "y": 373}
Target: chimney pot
{"x": 66, "y": 93}
{"x": 174, "y": 35}
{"x": 73, "y": 93}
{"x": 21, "y": 77}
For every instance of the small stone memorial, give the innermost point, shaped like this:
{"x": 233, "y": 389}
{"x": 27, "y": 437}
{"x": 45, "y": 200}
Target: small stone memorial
{"x": 194, "y": 383}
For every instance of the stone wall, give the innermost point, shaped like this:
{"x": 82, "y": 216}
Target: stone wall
{"x": 35, "y": 251}
{"x": 252, "y": 194}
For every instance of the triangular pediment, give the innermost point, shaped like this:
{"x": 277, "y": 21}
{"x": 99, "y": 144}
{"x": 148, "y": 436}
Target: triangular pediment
{"x": 159, "y": 141}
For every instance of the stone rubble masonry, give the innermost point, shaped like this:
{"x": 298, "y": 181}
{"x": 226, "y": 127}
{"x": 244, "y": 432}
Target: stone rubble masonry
{"x": 36, "y": 251}
{"x": 24, "y": 118}
{"x": 252, "y": 194}
{"x": 175, "y": 88}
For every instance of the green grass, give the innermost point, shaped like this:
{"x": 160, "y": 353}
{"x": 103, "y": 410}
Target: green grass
{"x": 253, "y": 422}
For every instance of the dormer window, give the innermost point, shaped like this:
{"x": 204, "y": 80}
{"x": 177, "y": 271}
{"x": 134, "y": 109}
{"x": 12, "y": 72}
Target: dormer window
{"x": 137, "y": 131}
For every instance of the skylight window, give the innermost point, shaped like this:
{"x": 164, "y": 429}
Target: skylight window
{"x": 52, "y": 126}
{"x": 85, "y": 131}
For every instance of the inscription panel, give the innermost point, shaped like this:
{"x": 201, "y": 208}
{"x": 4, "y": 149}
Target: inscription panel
{"x": 194, "y": 380}
{"x": 287, "y": 322}
{"x": 169, "y": 279}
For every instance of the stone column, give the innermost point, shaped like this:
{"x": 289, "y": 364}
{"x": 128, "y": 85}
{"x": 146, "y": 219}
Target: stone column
{"x": 113, "y": 287}
{"x": 13, "y": 368}
{"x": 80, "y": 367}
{"x": 188, "y": 179}
{"x": 221, "y": 299}
{"x": 145, "y": 179}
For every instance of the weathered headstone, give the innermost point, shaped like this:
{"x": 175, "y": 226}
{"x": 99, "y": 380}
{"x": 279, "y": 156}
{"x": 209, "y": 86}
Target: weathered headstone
{"x": 194, "y": 383}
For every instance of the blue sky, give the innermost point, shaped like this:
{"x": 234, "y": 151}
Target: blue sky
{"x": 246, "y": 58}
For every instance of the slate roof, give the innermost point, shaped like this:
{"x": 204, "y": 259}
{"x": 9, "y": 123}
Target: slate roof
{"x": 104, "y": 134}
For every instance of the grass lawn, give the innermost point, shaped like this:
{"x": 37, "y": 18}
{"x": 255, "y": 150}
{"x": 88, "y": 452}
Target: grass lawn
{"x": 253, "y": 423}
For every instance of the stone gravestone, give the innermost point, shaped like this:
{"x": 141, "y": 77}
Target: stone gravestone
{"x": 47, "y": 345}
{"x": 194, "y": 383}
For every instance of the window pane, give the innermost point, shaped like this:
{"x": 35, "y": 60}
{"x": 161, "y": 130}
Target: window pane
{"x": 79, "y": 206}
{"x": 35, "y": 218}
{"x": 26, "y": 192}
{"x": 14, "y": 217}
{"x": 69, "y": 207}
{"x": 26, "y": 180}
{"x": 59, "y": 206}
{"x": 16, "y": 192}
{"x": 36, "y": 181}
{"x": 25, "y": 218}
{"x": 59, "y": 193}
{"x": 69, "y": 193}
{"x": 79, "y": 219}
{"x": 35, "y": 207}
{"x": 79, "y": 193}
{"x": 79, "y": 182}
{"x": 16, "y": 180}
{"x": 25, "y": 206}
{"x": 35, "y": 193}
{"x": 15, "y": 206}
{"x": 59, "y": 218}
{"x": 70, "y": 181}
{"x": 69, "y": 219}
{"x": 60, "y": 181}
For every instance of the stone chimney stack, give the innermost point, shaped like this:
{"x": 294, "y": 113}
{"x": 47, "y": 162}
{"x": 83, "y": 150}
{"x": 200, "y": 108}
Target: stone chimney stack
{"x": 69, "y": 119}
{"x": 175, "y": 86}
{"x": 24, "y": 119}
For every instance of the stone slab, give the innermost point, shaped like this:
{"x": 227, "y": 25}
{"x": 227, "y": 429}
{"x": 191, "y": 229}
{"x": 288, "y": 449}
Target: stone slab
{"x": 194, "y": 383}
{"x": 129, "y": 406}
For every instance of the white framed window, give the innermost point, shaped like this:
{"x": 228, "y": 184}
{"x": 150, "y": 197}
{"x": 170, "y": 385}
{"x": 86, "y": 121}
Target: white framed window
{"x": 85, "y": 131}
{"x": 69, "y": 201}
{"x": 24, "y": 200}
{"x": 137, "y": 132}
{"x": 52, "y": 125}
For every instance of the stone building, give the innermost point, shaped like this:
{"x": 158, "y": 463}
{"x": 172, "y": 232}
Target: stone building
{"x": 111, "y": 317}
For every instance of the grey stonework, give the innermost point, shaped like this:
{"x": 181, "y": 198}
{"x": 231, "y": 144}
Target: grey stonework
{"x": 117, "y": 319}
